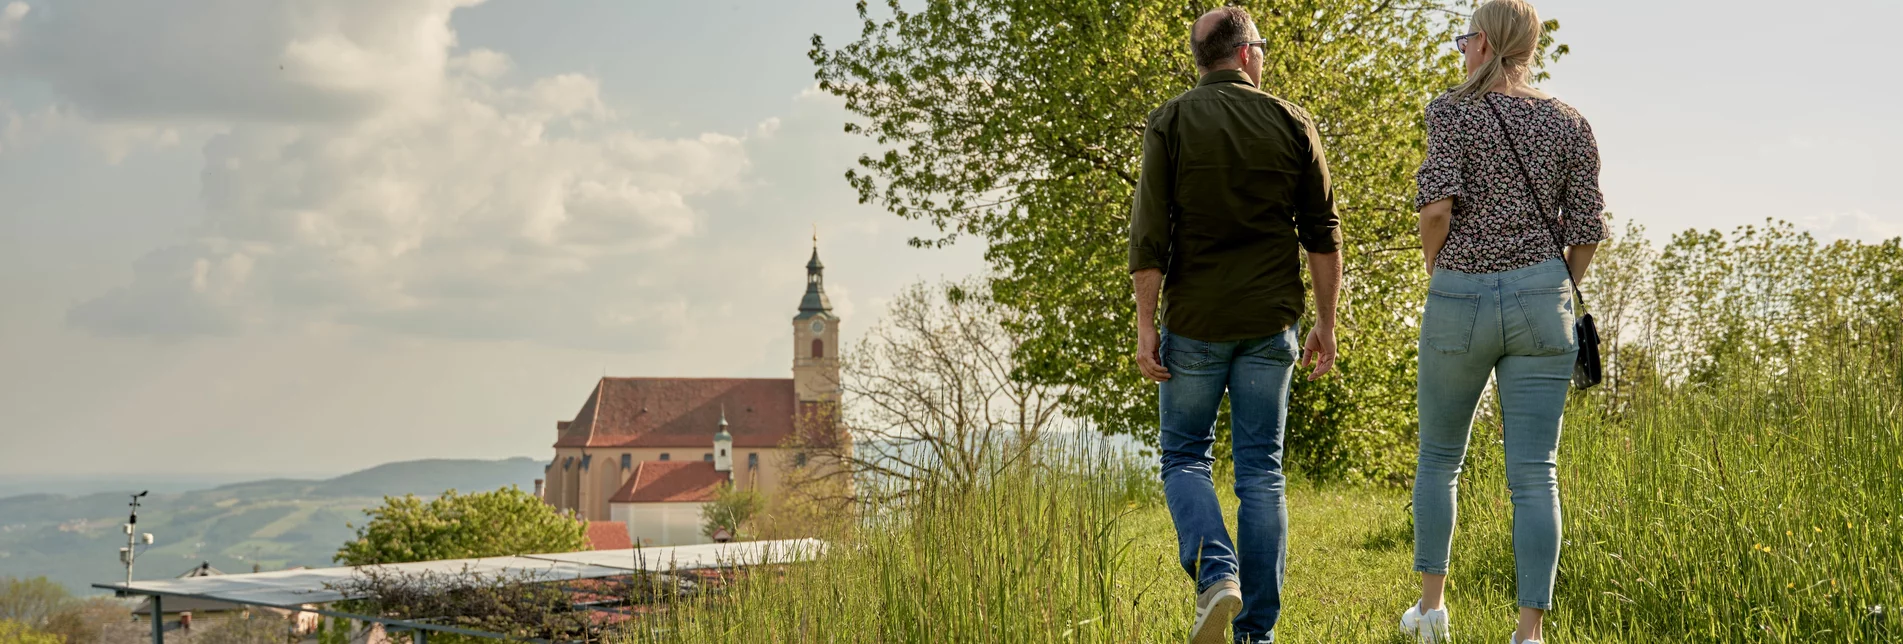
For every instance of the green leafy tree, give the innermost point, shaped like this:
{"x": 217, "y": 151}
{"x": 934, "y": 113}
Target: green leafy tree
{"x": 1020, "y": 123}
{"x": 454, "y": 526}
{"x": 731, "y": 509}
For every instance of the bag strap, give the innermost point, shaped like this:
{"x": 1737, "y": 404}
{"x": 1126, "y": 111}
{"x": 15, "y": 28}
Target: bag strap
{"x": 1558, "y": 241}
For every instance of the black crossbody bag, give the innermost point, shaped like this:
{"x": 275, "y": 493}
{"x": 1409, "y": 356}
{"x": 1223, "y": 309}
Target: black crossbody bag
{"x": 1587, "y": 369}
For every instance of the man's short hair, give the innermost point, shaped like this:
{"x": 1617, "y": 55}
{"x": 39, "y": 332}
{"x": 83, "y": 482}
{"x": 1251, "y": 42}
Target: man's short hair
{"x": 1232, "y": 26}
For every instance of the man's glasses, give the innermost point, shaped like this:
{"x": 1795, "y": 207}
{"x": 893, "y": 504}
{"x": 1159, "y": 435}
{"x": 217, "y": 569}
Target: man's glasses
{"x": 1460, "y": 42}
{"x": 1264, "y": 44}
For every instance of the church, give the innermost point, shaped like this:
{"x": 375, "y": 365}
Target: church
{"x": 649, "y": 452}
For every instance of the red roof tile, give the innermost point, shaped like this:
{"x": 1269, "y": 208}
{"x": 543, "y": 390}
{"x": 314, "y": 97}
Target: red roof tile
{"x": 671, "y": 482}
{"x": 608, "y": 535}
{"x": 682, "y": 412}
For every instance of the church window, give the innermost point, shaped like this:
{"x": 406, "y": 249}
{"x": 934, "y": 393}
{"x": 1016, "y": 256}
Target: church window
{"x": 707, "y": 457}
{"x": 663, "y": 456}
{"x": 627, "y": 461}
{"x": 584, "y": 460}
{"x": 723, "y": 452}
{"x": 799, "y": 460}
{"x": 753, "y": 460}
{"x": 819, "y": 348}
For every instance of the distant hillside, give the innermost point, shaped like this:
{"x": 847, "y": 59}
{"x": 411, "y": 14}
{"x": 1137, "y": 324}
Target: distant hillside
{"x": 275, "y": 523}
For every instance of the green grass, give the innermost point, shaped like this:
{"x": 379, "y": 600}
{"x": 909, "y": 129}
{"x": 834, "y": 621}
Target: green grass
{"x": 1768, "y": 508}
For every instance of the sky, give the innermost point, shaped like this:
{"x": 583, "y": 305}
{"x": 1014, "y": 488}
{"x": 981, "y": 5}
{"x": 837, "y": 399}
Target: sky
{"x": 294, "y": 238}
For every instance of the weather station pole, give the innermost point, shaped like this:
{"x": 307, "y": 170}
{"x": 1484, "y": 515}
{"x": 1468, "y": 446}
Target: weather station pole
{"x": 133, "y": 537}
{"x": 130, "y": 553}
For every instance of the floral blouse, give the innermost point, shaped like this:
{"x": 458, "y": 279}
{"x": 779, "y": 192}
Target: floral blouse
{"x": 1495, "y": 226}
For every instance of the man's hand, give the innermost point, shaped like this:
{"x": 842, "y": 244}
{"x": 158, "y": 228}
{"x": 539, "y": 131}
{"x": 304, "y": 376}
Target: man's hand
{"x": 1149, "y": 359}
{"x": 1320, "y": 350}
{"x": 1148, "y": 283}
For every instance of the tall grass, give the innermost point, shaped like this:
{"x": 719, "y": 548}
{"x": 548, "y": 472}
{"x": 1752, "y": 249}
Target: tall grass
{"x": 1035, "y": 552}
{"x": 1764, "y": 506}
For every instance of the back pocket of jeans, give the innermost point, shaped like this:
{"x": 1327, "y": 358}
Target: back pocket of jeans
{"x": 1447, "y": 324}
{"x": 1549, "y": 318}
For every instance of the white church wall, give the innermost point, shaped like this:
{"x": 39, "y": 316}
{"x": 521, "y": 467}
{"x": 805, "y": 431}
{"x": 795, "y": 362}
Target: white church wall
{"x": 661, "y": 524}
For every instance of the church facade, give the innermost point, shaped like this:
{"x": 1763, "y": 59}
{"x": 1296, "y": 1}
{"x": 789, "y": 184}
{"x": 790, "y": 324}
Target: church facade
{"x": 651, "y": 451}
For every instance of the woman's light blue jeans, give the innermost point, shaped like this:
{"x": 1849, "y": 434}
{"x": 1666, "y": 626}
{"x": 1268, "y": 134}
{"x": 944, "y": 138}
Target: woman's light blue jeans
{"x": 1518, "y": 327}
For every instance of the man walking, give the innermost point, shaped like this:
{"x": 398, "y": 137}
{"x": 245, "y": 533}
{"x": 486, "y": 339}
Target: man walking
{"x": 1233, "y": 181}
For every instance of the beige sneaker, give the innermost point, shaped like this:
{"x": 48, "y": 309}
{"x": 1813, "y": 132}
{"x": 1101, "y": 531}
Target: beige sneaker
{"x": 1215, "y": 608}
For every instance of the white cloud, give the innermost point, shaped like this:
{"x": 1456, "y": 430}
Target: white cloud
{"x": 767, "y": 127}
{"x": 22, "y": 131}
{"x": 274, "y": 60}
{"x": 482, "y": 63}
{"x": 10, "y": 19}
{"x": 478, "y": 208}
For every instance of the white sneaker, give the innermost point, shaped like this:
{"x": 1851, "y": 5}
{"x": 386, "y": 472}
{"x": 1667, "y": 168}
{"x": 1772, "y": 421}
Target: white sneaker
{"x": 1429, "y": 627}
{"x": 1215, "y": 608}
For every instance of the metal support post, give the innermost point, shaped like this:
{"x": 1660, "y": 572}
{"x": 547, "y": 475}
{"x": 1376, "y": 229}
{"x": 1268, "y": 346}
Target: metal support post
{"x": 158, "y": 620}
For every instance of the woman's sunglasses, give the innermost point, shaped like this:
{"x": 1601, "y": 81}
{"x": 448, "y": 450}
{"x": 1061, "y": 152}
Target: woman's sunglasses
{"x": 1460, "y": 42}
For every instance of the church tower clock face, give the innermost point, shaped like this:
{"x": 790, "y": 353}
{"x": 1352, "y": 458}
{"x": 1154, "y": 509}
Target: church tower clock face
{"x": 819, "y": 326}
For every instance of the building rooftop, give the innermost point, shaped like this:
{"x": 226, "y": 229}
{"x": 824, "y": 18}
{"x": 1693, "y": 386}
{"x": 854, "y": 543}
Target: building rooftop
{"x": 671, "y": 482}
{"x": 608, "y": 535}
{"x": 682, "y": 412}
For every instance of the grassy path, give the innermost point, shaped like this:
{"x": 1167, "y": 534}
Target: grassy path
{"x": 1351, "y": 554}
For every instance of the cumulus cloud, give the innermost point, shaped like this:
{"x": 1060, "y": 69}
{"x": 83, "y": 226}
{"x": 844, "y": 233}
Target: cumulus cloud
{"x": 428, "y": 195}
{"x": 243, "y": 60}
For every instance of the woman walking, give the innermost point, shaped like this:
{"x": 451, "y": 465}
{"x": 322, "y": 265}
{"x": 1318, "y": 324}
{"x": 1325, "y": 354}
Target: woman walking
{"x": 1510, "y": 215}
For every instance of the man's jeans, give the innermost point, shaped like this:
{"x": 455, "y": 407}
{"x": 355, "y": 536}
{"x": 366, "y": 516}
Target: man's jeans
{"x": 1256, "y": 375}
{"x": 1516, "y": 326}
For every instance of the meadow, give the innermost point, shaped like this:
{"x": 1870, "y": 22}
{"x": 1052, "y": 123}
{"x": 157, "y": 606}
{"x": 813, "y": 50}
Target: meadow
{"x": 1761, "y": 507}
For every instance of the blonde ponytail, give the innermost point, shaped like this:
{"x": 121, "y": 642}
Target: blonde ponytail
{"x": 1513, "y": 31}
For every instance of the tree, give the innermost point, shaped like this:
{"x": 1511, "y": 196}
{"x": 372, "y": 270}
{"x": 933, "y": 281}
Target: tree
{"x": 732, "y": 509}
{"x": 931, "y": 397}
{"x": 454, "y": 526}
{"x": 32, "y": 601}
{"x": 1020, "y": 123}
{"x": 95, "y": 620}
{"x": 16, "y": 632}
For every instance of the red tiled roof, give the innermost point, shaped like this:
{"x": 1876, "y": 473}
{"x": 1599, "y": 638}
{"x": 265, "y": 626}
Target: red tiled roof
{"x": 608, "y": 535}
{"x": 682, "y": 412}
{"x": 671, "y": 482}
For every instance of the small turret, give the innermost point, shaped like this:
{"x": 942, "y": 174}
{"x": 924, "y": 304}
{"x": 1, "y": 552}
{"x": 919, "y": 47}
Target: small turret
{"x": 723, "y": 445}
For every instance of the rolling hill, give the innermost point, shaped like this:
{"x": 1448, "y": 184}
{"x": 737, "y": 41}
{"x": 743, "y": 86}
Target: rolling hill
{"x": 273, "y": 523}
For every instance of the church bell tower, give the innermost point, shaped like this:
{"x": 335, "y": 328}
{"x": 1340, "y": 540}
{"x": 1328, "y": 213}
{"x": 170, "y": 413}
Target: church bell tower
{"x": 815, "y": 341}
